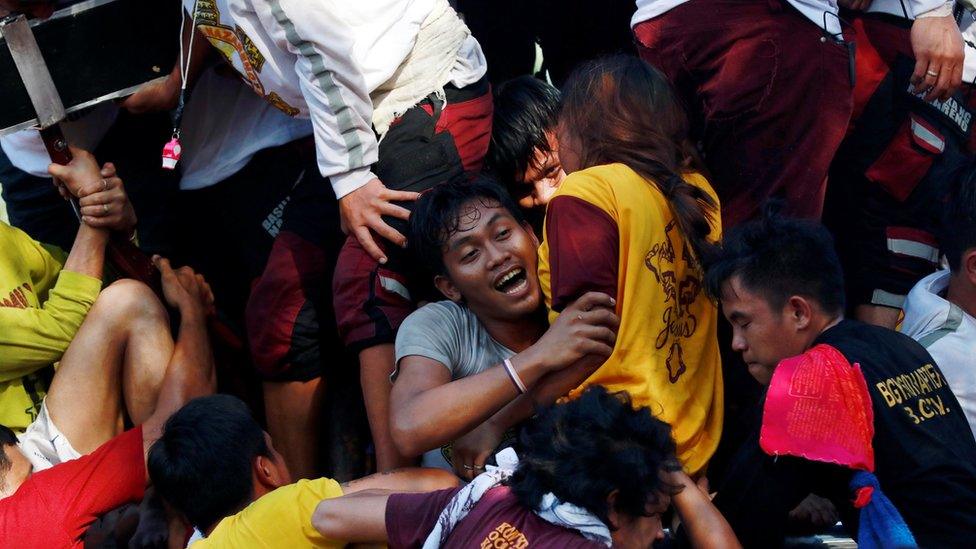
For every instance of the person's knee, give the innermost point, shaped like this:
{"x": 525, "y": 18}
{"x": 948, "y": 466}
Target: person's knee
{"x": 130, "y": 301}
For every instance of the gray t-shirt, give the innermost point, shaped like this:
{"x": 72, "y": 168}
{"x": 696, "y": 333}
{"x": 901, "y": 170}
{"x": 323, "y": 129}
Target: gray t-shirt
{"x": 452, "y": 335}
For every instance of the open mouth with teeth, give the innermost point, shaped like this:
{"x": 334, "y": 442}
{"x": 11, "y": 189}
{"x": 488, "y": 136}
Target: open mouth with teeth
{"x": 512, "y": 282}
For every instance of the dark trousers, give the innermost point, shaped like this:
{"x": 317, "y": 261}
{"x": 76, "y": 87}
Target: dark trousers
{"x": 768, "y": 94}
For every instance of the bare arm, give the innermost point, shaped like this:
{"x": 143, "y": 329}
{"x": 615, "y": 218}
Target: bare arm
{"x": 704, "y": 524}
{"x": 356, "y": 518}
{"x": 428, "y": 409}
{"x": 190, "y": 372}
{"x": 87, "y": 255}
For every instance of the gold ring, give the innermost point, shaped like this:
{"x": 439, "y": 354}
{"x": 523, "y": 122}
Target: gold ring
{"x": 105, "y": 208}
{"x": 932, "y": 74}
{"x": 104, "y": 185}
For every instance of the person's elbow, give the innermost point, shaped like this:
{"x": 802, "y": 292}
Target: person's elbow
{"x": 328, "y": 520}
{"x": 408, "y": 434}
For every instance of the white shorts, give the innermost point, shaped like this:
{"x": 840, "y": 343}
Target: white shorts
{"x": 43, "y": 444}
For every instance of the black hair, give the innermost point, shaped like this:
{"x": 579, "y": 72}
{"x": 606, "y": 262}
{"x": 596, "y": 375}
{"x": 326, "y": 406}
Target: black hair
{"x": 621, "y": 109}
{"x": 202, "y": 463}
{"x": 583, "y": 450}
{"x": 525, "y": 109}
{"x": 778, "y": 257}
{"x": 7, "y": 438}
{"x": 959, "y": 222}
{"x": 436, "y": 216}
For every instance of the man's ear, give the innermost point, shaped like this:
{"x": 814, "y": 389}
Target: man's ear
{"x": 447, "y": 288}
{"x": 267, "y": 474}
{"x": 612, "y": 514}
{"x": 800, "y": 312}
{"x": 969, "y": 265}
{"x": 528, "y": 228}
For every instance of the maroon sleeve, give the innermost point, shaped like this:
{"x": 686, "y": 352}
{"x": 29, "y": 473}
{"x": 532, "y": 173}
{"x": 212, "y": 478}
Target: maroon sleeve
{"x": 584, "y": 246}
{"x": 86, "y": 488}
{"x": 411, "y": 517}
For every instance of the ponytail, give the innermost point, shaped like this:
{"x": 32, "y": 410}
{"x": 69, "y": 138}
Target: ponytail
{"x": 620, "y": 109}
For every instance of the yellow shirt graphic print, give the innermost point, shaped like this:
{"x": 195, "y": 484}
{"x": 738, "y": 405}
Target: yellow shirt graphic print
{"x": 609, "y": 229}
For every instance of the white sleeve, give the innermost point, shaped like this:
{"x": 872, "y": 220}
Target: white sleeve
{"x": 931, "y": 8}
{"x": 334, "y": 88}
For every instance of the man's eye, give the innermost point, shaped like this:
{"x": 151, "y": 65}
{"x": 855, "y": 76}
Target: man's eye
{"x": 469, "y": 255}
{"x": 503, "y": 234}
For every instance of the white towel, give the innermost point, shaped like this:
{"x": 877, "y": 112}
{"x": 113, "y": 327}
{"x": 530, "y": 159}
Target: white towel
{"x": 425, "y": 70}
{"x": 552, "y": 510}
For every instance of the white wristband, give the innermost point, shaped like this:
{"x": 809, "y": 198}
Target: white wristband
{"x": 519, "y": 384}
{"x": 945, "y": 10}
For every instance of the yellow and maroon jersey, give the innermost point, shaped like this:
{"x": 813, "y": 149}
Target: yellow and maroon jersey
{"x": 608, "y": 229}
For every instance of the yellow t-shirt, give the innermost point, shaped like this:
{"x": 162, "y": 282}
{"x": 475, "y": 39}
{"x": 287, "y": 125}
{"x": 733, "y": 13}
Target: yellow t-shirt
{"x": 608, "y": 229}
{"x": 282, "y": 518}
{"x": 41, "y": 309}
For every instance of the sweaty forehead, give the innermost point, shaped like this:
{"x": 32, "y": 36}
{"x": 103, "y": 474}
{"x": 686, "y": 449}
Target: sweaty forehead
{"x": 475, "y": 213}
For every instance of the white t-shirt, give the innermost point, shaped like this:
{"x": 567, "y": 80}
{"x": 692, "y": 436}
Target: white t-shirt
{"x": 224, "y": 126}
{"x": 949, "y": 335}
{"x": 323, "y": 60}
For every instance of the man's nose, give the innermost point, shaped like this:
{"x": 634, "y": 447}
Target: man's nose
{"x": 739, "y": 344}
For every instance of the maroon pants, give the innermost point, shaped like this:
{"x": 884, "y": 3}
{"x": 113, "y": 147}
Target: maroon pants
{"x": 768, "y": 94}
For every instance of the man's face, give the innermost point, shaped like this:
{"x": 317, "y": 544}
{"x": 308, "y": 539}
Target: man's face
{"x": 18, "y": 473}
{"x": 544, "y": 174}
{"x": 491, "y": 263}
{"x": 763, "y": 335}
{"x": 639, "y": 532}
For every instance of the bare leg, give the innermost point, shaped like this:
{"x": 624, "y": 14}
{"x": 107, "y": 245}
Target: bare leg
{"x": 375, "y": 366}
{"x": 879, "y": 315}
{"x": 118, "y": 358}
{"x": 293, "y": 409}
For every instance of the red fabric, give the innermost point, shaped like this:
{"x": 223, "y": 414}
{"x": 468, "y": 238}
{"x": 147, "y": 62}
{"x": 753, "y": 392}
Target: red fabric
{"x": 277, "y": 300}
{"x": 584, "y": 247}
{"x": 909, "y": 233}
{"x": 769, "y": 100}
{"x": 878, "y": 45}
{"x": 818, "y": 408}
{"x": 469, "y": 123}
{"x": 367, "y": 313}
{"x": 498, "y": 520}
{"x": 53, "y": 508}
{"x": 902, "y": 165}
{"x": 863, "y": 496}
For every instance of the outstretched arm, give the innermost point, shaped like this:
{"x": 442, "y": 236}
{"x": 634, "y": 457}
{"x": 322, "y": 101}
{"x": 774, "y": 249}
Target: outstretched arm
{"x": 428, "y": 409}
{"x": 359, "y": 517}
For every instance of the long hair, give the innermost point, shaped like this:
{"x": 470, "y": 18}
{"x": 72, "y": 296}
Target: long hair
{"x": 620, "y": 109}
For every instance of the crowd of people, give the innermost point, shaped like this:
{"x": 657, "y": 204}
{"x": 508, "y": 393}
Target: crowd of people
{"x": 706, "y": 276}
